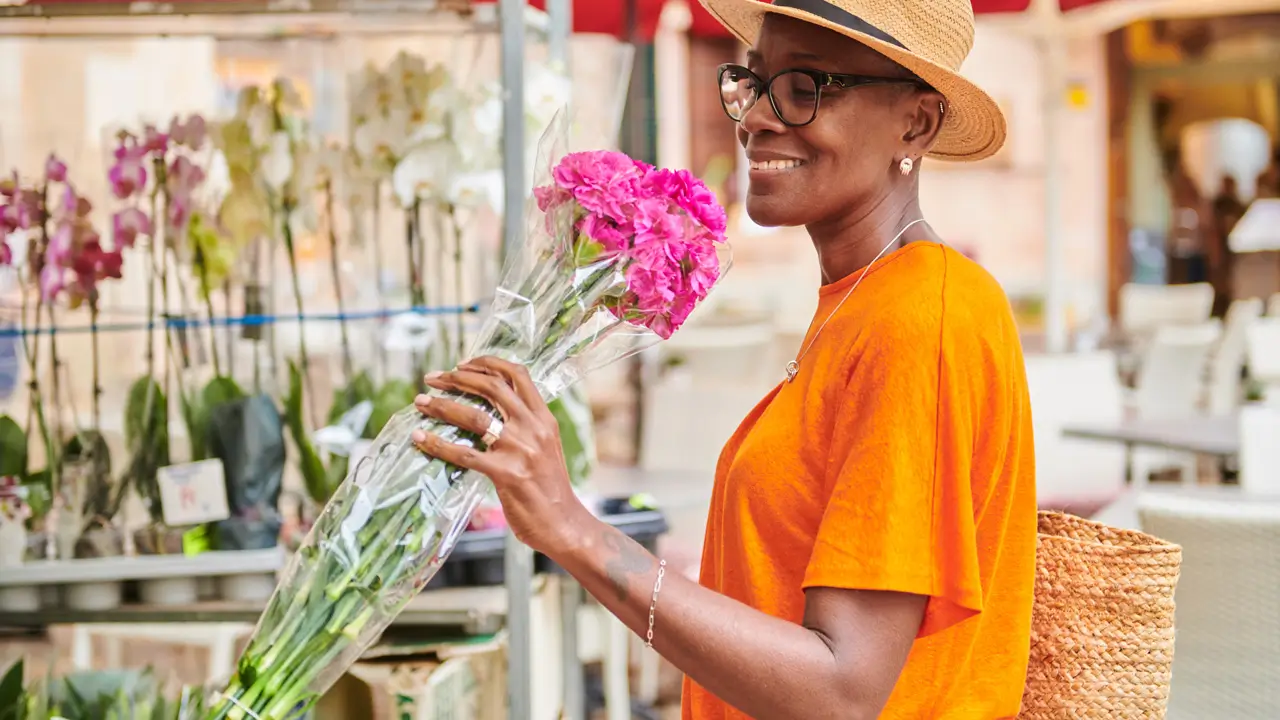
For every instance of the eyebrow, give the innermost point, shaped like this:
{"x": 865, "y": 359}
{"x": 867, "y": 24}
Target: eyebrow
{"x": 753, "y": 54}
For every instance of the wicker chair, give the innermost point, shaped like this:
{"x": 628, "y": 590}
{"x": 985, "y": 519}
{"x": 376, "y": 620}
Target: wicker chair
{"x": 1228, "y": 601}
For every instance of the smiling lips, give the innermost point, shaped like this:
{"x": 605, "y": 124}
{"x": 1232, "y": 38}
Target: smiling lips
{"x": 776, "y": 165}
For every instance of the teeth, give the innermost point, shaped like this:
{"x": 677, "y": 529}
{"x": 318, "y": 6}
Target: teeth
{"x": 776, "y": 164}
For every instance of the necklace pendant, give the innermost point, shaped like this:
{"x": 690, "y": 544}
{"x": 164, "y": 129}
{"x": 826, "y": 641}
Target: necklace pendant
{"x": 793, "y": 369}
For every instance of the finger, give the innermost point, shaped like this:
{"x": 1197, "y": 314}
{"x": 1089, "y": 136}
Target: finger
{"x": 455, "y": 413}
{"x": 490, "y": 387}
{"x": 464, "y": 456}
{"x": 515, "y": 375}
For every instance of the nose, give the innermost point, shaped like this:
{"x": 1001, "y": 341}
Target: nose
{"x": 760, "y": 117}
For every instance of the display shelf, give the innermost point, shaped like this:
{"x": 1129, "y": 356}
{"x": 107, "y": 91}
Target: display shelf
{"x": 515, "y": 23}
{"x": 143, "y": 567}
{"x": 474, "y": 610}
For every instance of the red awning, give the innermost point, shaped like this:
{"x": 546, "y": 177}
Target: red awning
{"x": 609, "y": 17}
{"x": 704, "y": 25}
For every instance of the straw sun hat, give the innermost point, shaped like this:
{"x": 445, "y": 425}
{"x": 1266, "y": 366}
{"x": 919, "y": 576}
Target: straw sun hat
{"x": 928, "y": 37}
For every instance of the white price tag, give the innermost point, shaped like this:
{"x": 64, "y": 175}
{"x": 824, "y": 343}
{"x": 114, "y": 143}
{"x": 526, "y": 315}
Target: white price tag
{"x": 193, "y": 493}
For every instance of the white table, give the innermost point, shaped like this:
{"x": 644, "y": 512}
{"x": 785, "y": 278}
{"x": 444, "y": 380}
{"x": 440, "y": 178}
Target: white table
{"x": 1215, "y": 436}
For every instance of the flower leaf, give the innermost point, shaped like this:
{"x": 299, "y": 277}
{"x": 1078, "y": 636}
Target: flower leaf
{"x": 146, "y": 432}
{"x": 199, "y": 412}
{"x": 390, "y": 399}
{"x": 360, "y": 388}
{"x": 572, "y": 412}
{"x": 12, "y": 697}
{"x": 13, "y": 448}
{"x": 314, "y": 474}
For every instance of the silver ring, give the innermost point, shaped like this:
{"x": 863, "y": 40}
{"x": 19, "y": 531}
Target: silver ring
{"x": 494, "y": 433}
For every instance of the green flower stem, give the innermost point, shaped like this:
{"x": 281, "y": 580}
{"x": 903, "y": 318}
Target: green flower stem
{"x": 334, "y": 597}
{"x": 303, "y": 356}
{"x": 348, "y": 366}
{"x": 97, "y": 371}
{"x": 203, "y": 268}
{"x": 457, "y": 282}
{"x": 35, "y": 404}
{"x": 378, "y": 269}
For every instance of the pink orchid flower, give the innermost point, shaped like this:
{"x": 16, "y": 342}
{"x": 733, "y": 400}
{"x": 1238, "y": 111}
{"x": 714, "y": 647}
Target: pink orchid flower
{"x": 127, "y": 225}
{"x": 55, "y": 170}
{"x": 129, "y": 173}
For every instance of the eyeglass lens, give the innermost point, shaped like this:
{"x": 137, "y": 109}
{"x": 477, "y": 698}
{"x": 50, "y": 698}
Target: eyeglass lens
{"x": 794, "y": 94}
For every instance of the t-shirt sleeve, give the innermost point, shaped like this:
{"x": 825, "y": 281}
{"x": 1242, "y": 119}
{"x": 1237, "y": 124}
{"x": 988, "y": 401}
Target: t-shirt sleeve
{"x": 900, "y": 515}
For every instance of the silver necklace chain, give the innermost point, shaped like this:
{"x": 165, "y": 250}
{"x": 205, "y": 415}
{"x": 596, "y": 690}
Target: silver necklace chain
{"x": 793, "y": 367}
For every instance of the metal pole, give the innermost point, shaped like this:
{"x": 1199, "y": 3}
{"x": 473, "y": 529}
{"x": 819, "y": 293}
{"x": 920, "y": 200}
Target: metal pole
{"x": 1053, "y": 55}
{"x": 574, "y": 692}
{"x": 560, "y": 22}
{"x": 513, "y": 171}
{"x": 518, "y": 559}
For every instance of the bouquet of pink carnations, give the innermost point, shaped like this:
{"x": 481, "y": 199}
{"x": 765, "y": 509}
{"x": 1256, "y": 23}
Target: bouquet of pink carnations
{"x": 617, "y": 254}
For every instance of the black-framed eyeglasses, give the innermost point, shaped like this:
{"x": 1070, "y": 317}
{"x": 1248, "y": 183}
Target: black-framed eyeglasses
{"x": 794, "y": 93}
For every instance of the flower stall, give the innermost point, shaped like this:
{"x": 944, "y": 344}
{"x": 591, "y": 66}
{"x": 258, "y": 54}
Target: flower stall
{"x": 218, "y": 296}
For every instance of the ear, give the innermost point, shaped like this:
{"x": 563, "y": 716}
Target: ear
{"x": 925, "y": 113}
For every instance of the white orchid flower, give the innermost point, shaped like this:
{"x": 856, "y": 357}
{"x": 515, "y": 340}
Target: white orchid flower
{"x": 424, "y": 173}
{"x": 261, "y": 125}
{"x": 546, "y": 92}
{"x": 476, "y": 189}
{"x": 277, "y": 162}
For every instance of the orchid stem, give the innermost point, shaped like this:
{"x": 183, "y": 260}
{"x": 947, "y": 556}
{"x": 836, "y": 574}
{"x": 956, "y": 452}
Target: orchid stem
{"x": 151, "y": 289}
{"x": 97, "y": 371}
{"x": 379, "y": 270}
{"x": 208, "y": 303}
{"x": 231, "y": 349}
{"x": 348, "y": 367}
{"x": 458, "y": 281}
{"x": 303, "y": 356}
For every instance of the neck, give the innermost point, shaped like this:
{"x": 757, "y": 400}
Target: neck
{"x": 853, "y": 240}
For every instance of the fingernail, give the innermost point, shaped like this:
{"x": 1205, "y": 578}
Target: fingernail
{"x": 434, "y": 375}
{"x": 418, "y": 437}
{"x": 423, "y": 400}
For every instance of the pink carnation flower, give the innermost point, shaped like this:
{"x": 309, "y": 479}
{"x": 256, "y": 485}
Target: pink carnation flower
{"x": 606, "y": 232}
{"x": 604, "y": 183}
{"x": 693, "y": 196}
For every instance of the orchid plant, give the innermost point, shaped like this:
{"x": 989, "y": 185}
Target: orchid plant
{"x": 158, "y": 178}
{"x": 67, "y": 260}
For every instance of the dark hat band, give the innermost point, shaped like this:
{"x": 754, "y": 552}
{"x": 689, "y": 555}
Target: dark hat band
{"x": 839, "y": 16}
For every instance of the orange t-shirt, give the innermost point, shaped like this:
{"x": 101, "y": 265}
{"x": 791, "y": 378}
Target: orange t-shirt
{"x": 900, "y": 459}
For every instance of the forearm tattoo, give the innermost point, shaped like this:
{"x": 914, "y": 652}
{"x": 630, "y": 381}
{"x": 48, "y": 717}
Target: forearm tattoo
{"x": 629, "y": 561}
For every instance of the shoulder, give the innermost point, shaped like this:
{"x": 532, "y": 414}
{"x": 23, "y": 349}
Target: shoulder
{"x": 930, "y": 287}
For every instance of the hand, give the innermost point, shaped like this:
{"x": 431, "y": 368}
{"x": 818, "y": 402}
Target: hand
{"x": 526, "y": 463}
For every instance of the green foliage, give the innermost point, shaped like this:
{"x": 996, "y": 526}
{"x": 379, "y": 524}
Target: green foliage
{"x": 12, "y": 697}
{"x": 577, "y": 437}
{"x": 146, "y": 432}
{"x": 105, "y": 695}
{"x": 317, "y": 478}
{"x": 197, "y": 412}
{"x": 360, "y": 389}
{"x": 391, "y": 398}
{"x": 13, "y": 448}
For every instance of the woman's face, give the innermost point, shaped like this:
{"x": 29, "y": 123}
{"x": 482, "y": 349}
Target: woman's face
{"x": 847, "y": 158}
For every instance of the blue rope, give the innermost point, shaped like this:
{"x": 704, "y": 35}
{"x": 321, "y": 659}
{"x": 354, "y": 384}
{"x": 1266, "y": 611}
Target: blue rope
{"x": 178, "y": 323}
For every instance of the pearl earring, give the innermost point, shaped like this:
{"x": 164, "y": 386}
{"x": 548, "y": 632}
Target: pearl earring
{"x": 905, "y": 166}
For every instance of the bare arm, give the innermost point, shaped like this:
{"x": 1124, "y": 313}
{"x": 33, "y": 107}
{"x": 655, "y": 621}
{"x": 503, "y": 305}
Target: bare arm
{"x": 841, "y": 663}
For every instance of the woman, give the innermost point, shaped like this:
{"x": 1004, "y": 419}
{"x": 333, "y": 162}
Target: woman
{"x": 870, "y": 547}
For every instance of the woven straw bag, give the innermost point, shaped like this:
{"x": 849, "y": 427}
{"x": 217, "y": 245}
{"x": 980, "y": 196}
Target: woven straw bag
{"x": 1102, "y": 624}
